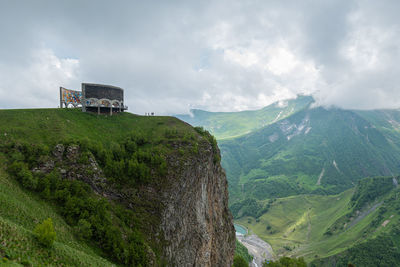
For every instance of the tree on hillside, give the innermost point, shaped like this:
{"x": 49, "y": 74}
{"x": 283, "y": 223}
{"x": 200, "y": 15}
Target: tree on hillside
{"x": 45, "y": 232}
{"x": 238, "y": 261}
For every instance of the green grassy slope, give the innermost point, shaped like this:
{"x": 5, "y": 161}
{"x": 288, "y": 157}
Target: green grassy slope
{"x": 300, "y": 225}
{"x": 297, "y": 222}
{"x": 20, "y": 211}
{"x": 110, "y": 140}
{"x": 387, "y": 121}
{"x": 225, "y": 125}
{"x": 289, "y": 156}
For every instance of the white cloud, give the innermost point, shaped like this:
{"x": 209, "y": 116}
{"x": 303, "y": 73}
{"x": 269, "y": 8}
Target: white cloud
{"x": 215, "y": 55}
{"x": 36, "y": 83}
{"x": 281, "y": 61}
{"x": 242, "y": 57}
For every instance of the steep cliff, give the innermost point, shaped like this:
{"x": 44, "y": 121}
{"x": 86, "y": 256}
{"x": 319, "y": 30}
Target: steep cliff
{"x": 196, "y": 222}
{"x": 150, "y": 191}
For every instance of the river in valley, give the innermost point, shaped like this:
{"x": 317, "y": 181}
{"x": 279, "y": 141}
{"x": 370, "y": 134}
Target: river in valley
{"x": 257, "y": 247}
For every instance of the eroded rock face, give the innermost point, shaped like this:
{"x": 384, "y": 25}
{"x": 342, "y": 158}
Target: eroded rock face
{"x": 196, "y": 221}
{"x": 191, "y": 204}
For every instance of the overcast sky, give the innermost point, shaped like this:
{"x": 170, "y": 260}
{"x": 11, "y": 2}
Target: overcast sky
{"x": 171, "y": 56}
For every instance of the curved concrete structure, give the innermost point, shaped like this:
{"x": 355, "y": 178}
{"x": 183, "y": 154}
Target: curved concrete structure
{"x": 102, "y": 98}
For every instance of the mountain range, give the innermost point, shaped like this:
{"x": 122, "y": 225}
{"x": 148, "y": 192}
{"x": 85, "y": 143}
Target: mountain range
{"x": 303, "y": 149}
{"x": 294, "y": 164}
{"x": 318, "y": 151}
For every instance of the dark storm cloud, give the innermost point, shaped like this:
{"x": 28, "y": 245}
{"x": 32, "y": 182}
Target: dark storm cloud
{"x": 218, "y": 55}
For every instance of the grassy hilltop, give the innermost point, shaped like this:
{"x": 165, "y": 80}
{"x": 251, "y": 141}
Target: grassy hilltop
{"x": 91, "y": 231}
{"x": 48, "y": 126}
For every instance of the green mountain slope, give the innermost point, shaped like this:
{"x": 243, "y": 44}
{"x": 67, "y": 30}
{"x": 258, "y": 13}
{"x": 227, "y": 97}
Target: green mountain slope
{"x": 387, "y": 121}
{"x": 225, "y": 125}
{"x": 335, "y": 228}
{"x": 312, "y": 151}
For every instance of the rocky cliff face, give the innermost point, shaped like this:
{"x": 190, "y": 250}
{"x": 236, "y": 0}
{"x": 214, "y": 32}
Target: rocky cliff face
{"x": 190, "y": 219}
{"x": 196, "y": 221}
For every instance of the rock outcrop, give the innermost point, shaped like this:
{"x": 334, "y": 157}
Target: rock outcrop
{"x": 190, "y": 204}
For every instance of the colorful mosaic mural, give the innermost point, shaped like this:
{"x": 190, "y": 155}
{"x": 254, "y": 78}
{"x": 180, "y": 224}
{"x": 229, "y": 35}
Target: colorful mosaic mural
{"x": 104, "y": 103}
{"x": 71, "y": 97}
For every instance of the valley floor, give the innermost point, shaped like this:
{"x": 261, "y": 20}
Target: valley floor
{"x": 297, "y": 226}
